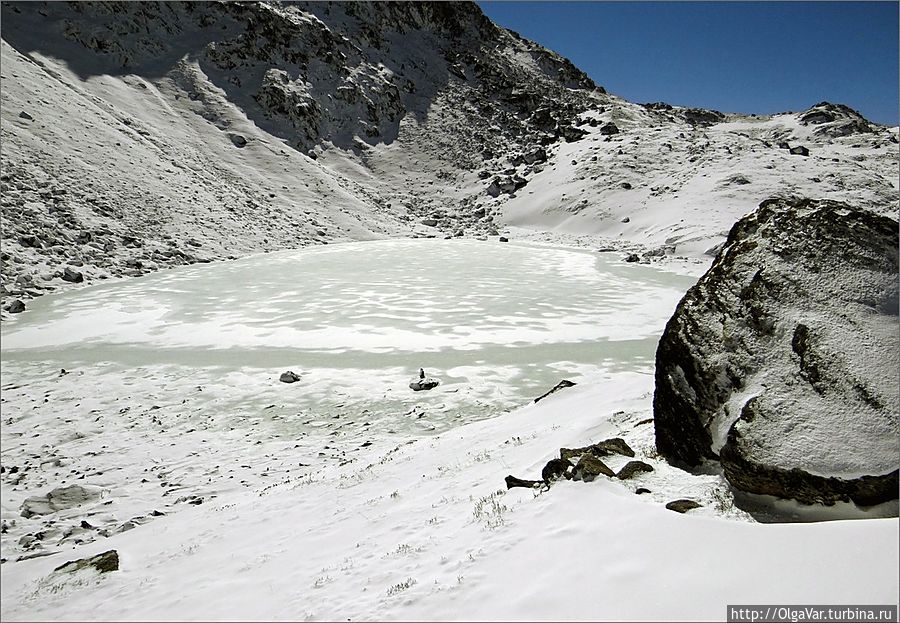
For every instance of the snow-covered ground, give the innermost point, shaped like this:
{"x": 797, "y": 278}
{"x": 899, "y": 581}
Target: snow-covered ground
{"x": 231, "y": 495}
{"x": 391, "y": 508}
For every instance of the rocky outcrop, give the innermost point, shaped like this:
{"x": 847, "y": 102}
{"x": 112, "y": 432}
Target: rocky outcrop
{"x": 104, "y": 563}
{"x": 835, "y": 120}
{"x": 781, "y": 362}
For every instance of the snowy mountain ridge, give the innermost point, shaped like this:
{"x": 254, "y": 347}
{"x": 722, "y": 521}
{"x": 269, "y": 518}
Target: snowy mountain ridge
{"x": 138, "y": 136}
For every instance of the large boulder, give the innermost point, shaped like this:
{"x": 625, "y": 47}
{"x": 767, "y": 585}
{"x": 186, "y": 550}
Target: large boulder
{"x": 58, "y": 499}
{"x": 781, "y": 362}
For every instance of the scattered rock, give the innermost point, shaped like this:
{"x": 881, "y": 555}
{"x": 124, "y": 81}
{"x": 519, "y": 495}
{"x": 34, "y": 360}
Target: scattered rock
{"x": 104, "y": 563}
{"x": 512, "y": 481}
{"x": 616, "y": 445}
{"x": 683, "y": 506}
{"x": 289, "y": 377}
{"x": 556, "y": 469}
{"x": 589, "y": 467}
{"x": 632, "y": 468}
{"x": 237, "y": 140}
{"x": 72, "y": 276}
{"x": 535, "y": 156}
{"x": 561, "y": 385}
{"x": 423, "y": 382}
{"x": 607, "y": 447}
{"x": 609, "y": 129}
{"x": 30, "y": 240}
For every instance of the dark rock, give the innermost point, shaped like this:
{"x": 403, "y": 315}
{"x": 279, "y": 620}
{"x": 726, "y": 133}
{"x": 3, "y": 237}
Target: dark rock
{"x": 609, "y": 129}
{"x": 633, "y": 468}
{"x": 616, "y": 445}
{"x": 817, "y": 115}
{"x": 556, "y": 469}
{"x": 783, "y": 145}
{"x": 702, "y": 117}
{"x": 512, "y": 481}
{"x": 429, "y": 222}
{"x": 561, "y": 385}
{"x": 16, "y": 307}
{"x": 26, "y": 116}
{"x": 571, "y": 133}
{"x": 777, "y": 344}
{"x": 846, "y": 129}
{"x": 626, "y": 220}
{"x": 683, "y": 506}
{"x": 642, "y": 490}
{"x": 535, "y": 156}
{"x": 632, "y": 257}
{"x": 589, "y": 467}
{"x": 104, "y": 563}
{"x": 799, "y": 150}
{"x": 504, "y": 239}
{"x": 625, "y": 186}
{"x": 30, "y": 241}
{"x": 72, "y": 276}
{"x": 289, "y": 377}
{"x": 423, "y": 383}
{"x": 237, "y": 140}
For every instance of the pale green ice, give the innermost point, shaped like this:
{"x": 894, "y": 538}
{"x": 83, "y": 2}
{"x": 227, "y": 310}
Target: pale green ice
{"x": 499, "y": 324}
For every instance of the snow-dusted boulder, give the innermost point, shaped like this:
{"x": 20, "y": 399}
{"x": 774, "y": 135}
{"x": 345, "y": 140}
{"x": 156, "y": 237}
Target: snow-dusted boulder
{"x": 59, "y": 499}
{"x": 781, "y": 362}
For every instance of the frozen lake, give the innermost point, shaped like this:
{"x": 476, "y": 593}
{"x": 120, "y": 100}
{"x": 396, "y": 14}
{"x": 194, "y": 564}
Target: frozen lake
{"x": 499, "y": 324}
{"x": 170, "y": 395}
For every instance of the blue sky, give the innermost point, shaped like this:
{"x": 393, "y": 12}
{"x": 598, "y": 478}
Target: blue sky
{"x": 750, "y": 57}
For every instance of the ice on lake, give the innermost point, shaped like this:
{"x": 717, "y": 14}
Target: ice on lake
{"x": 499, "y": 324}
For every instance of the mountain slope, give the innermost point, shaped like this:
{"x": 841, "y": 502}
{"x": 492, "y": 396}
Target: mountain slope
{"x": 138, "y": 136}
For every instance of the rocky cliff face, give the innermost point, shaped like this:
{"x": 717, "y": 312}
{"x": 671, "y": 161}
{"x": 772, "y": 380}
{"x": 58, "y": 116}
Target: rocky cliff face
{"x": 781, "y": 361}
